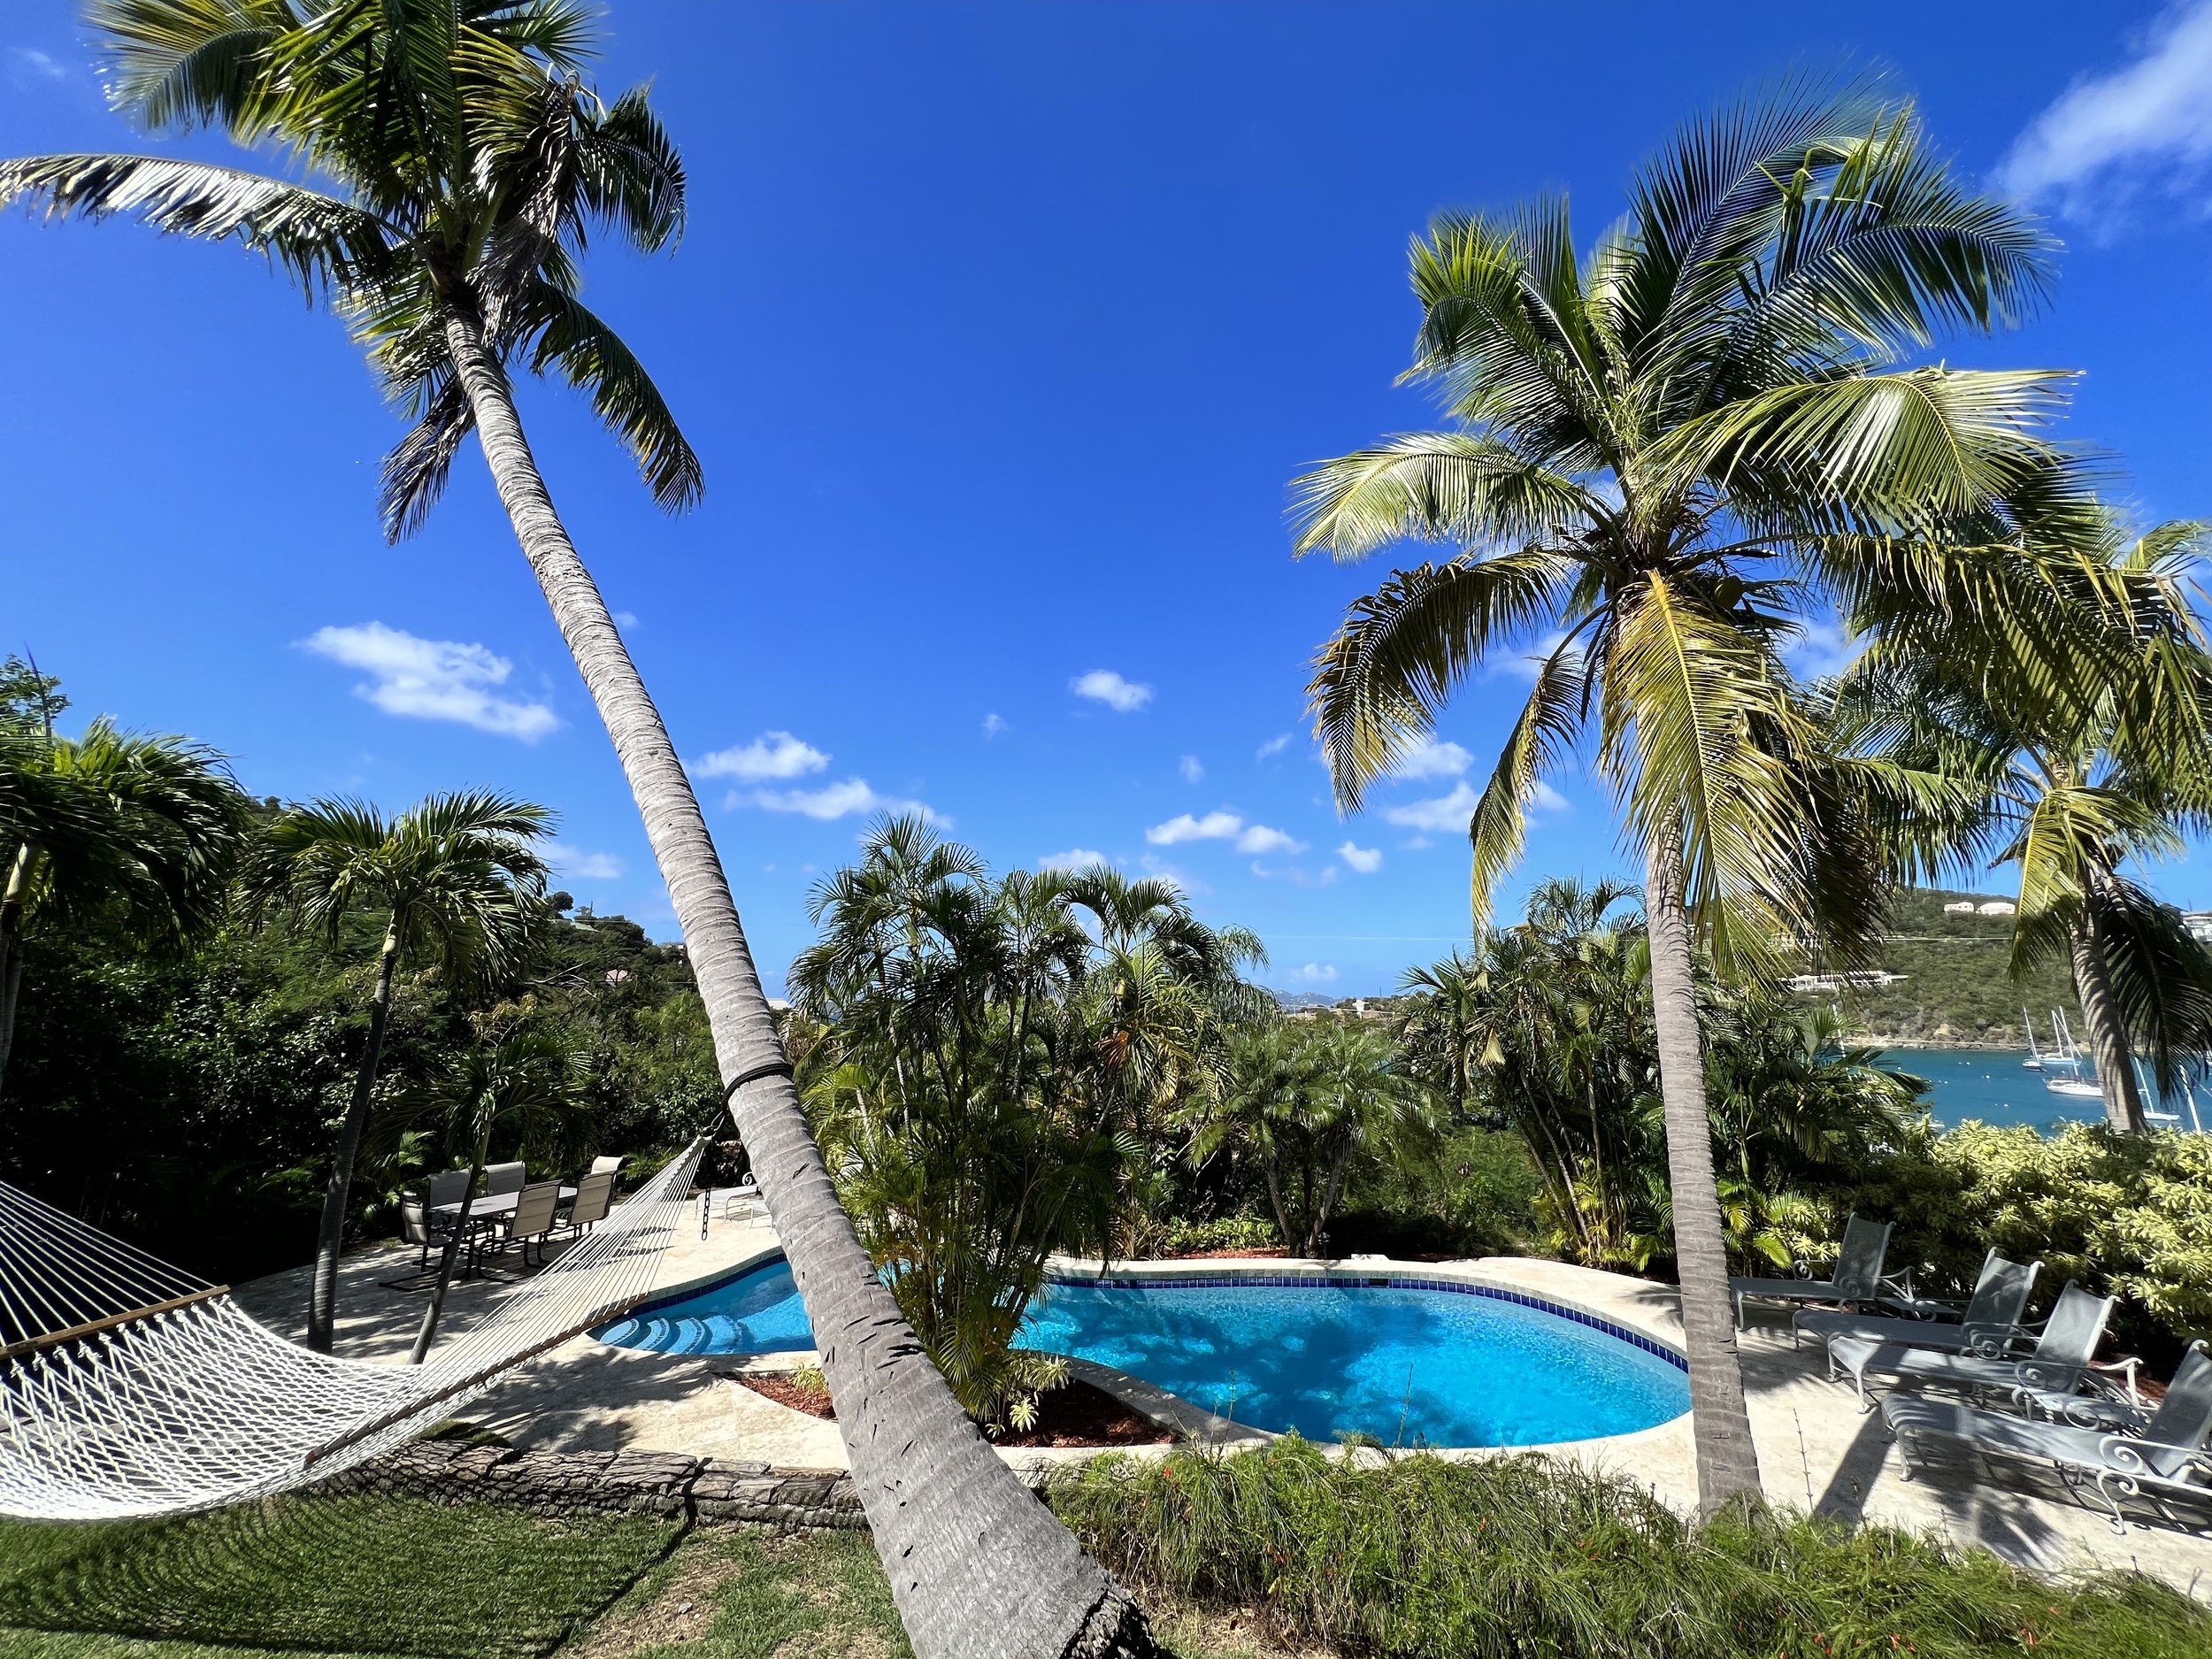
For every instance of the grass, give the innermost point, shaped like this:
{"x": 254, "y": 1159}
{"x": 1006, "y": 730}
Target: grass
{"x": 317, "y": 1576}
{"x": 1421, "y": 1558}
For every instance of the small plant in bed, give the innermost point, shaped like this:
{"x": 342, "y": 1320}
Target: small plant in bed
{"x": 1072, "y": 1415}
{"x": 1424, "y": 1558}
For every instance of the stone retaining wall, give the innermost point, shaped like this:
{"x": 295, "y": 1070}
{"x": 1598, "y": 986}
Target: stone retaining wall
{"x": 556, "y": 1484}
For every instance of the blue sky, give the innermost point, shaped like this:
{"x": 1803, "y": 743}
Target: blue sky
{"x": 1000, "y": 329}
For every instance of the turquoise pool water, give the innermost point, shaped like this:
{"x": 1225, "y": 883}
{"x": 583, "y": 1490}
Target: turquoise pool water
{"x": 1405, "y": 1363}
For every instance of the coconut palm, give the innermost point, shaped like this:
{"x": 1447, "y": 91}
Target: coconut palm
{"x": 458, "y": 885}
{"x": 2076, "y": 790}
{"x": 1671, "y": 454}
{"x": 460, "y": 159}
{"x": 134, "y": 836}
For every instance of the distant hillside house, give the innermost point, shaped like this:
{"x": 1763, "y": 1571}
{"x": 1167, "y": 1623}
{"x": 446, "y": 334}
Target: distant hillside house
{"x": 2200, "y": 925}
{"x": 1861, "y": 979}
{"x": 1961, "y": 907}
{"x": 1995, "y": 907}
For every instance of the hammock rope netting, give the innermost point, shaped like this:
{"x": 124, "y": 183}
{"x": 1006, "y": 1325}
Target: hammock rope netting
{"x": 129, "y": 1388}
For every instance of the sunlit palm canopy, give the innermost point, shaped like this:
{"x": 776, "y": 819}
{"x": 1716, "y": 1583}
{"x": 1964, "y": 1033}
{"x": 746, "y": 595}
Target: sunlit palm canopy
{"x": 1671, "y": 452}
{"x": 444, "y": 156}
{"x": 2078, "y": 786}
{"x": 456, "y": 879}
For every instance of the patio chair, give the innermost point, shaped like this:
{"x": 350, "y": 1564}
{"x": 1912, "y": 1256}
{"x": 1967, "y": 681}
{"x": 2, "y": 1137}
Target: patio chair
{"x": 607, "y": 1165}
{"x": 2001, "y": 1296}
{"x": 532, "y": 1219}
{"x": 503, "y": 1178}
{"x": 595, "y": 1196}
{"x": 2056, "y": 1365}
{"x": 1858, "y": 1276}
{"x": 2165, "y": 1457}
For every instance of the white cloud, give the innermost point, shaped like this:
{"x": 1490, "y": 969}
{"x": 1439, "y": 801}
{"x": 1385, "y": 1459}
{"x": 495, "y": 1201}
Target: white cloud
{"x": 1451, "y": 811}
{"x": 993, "y": 726}
{"x": 625, "y": 618}
{"x": 1215, "y": 826}
{"x": 44, "y": 64}
{"x": 1103, "y": 685}
{"x": 1366, "y": 860}
{"x": 1296, "y": 876}
{"x": 2148, "y": 121}
{"x": 575, "y": 863}
{"x": 1191, "y": 770}
{"x": 1273, "y": 746}
{"x": 833, "y": 801}
{"x": 1433, "y": 759}
{"x": 433, "y": 679}
{"x": 1315, "y": 973}
{"x": 1260, "y": 839}
{"x": 770, "y": 754}
{"x": 1074, "y": 858}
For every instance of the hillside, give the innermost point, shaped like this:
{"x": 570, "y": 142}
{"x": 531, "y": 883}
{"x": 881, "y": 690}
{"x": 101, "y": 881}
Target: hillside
{"x": 1955, "y": 987}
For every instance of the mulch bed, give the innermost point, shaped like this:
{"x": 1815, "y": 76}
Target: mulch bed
{"x": 1076, "y": 1415}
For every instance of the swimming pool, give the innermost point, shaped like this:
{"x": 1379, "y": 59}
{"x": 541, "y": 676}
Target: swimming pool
{"x": 1409, "y": 1361}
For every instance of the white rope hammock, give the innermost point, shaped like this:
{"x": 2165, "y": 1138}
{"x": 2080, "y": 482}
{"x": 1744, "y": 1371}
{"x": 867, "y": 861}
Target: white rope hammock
{"x": 129, "y": 1388}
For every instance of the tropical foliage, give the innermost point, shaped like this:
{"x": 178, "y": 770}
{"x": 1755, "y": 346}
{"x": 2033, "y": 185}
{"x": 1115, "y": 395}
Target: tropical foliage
{"x": 1309, "y": 1102}
{"x": 107, "y": 834}
{"x": 1549, "y": 1028}
{"x": 2076, "y": 783}
{"x": 991, "y": 1065}
{"x": 1421, "y": 1557}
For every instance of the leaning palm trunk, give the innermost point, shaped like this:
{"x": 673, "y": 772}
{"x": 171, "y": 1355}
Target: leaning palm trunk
{"x": 330, "y": 1237}
{"x": 979, "y": 1567}
{"x": 2102, "y": 1026}
{"x": 1727, "y": 1458}
{"x": 11, "y": 906}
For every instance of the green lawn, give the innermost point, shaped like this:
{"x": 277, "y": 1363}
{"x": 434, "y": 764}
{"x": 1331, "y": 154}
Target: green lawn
{"x": 332, "y": 1579}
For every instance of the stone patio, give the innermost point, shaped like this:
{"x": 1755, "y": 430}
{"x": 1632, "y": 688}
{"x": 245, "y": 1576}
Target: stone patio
{"x": 1815, "y": 1450}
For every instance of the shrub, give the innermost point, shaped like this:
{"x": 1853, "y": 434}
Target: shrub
{"x": 1423, "y": 1558}
{"x": 1242, "y": 1232}
{"x": 2127, "y": 1215}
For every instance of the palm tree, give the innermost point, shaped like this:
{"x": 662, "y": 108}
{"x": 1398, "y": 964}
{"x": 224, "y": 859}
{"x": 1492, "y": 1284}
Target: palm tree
{"x": 134, "y": 835}
{"x": 458, "y": 883}
{"x": 1671, "y": 454}
{"x": 2073, "y": 789}
{"x": 524, "y": 1089}
{"x": 1306, "y": 1101}
{"x": 467, "y": 159}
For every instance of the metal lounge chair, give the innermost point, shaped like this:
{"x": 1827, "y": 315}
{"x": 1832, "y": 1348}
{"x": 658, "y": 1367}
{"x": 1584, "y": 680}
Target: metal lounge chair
{"x": 608, "y": 1165}
{"x": 503, "y": 1177}
{"x": 595, "y": 1196}
{"x": 532, "y": 1220}
{"x": 2056, "y": 1365}
{"x": 2001, "y": 1296}
{"x": 1858, "y": 1273}
{"x": 2166, "y": 1456}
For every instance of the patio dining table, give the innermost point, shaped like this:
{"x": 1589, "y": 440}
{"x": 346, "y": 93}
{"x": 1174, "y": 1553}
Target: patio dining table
{"x": 487, "y": 1209}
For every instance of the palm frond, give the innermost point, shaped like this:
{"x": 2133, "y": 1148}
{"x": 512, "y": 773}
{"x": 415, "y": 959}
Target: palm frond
{"x": 592, "y": 357}
{"x": 1438, "y": 486}
{"x": 1542, "y": 738}
{"x": 1377, "y": 685}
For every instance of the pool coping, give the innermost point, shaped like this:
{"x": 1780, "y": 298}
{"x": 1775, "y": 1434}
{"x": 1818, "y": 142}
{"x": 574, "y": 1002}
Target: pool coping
{"x": 1194, "y": 1424}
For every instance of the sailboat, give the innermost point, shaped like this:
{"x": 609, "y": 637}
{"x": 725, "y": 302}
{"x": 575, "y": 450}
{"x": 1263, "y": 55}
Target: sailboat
{"x": 2034, "y": 1062}
{"x": 2069, "y": 1081}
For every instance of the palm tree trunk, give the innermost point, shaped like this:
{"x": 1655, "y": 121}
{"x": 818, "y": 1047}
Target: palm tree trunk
{"x": 1727, "y": 1458}
{"x": 11, "y": 948}
{"x": 2103, "y": 1026}
{"x": 979, "y": 1567}
{"x": 322, "y": 1302}
{"x": 425, "y": 1336}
